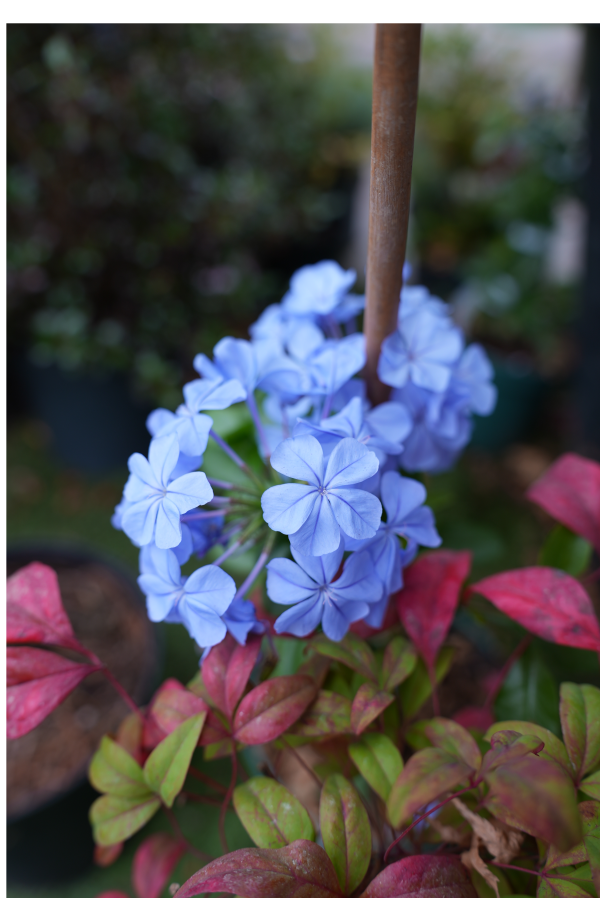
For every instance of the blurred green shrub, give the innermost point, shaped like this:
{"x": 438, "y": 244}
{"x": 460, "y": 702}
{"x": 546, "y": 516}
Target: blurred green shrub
{"x": 165, "y": 181}
{"x": 491, "y": 167}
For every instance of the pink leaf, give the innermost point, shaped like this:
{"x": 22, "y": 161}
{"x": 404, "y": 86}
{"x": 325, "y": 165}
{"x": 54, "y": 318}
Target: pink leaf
{"x": 570, "y": 491}
{"x": 105, "y": 855}
{"x": 113, "y": 894}
{"x": 214, "y": 671}
{"x": 368, "y": 704}
{"x": 154, "y": 861}
{"x": 171, "y": 705}
{"x": 301, "y": 868}
{"x": 241, "y": 662}
{"x": 37, "y": 682}
{"x": 34, "y": 611}
{"x": 268, "y": 711}
{"x": 546, "y": 602}
{"x": 424, "y": 876}
{"x": 427, "y": 602}
{"x": 472, "y": 718}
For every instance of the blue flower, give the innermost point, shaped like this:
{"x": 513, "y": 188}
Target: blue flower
{"x": 406, "y": 517}
{"x": 441, "y": 428}
{"x": 198, "y": 536}
{"x": 240, "y": 620}
{"x": 314, "y": 512}
{"x": 317, "y": 289}
{"x": 422, "y": 351}
{"x": 155, "y": 502}
{"x": 472, "y": 378}
{"x": 255, "y": 365}
{"x": 192, "y": 428}
{"x": 307, "y": 584}
{"x": 334, "y": 363}
{"x": 197, "y": 601}
{"x": 381, "y": 429}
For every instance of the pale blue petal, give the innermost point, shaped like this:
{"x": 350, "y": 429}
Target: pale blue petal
{"x": 206, "y": 368}
{"x": 211, "y": 587}
{"x": 158, "y": 419}
{"x": 420, "y": 526}
{"x": 390, "y": 422}
{"x": 203, "y": 625}
{"x": 163, "y": 455}
{"x": 139, "y": 520}
{"x": 189, "y": 491}
{"x": 386, "y": 555}
{"x": 322, "y": 568}
{"x": 400, "y": 496}
{"x": 304, "y": 340}
{"x": 159, "y": 607}
{"x": 320, "y": 533}
{"x": 317, "y": 289}
{"x": 183, "y": 552}
{"x": 185, "y": 465}
{"x": 357, "y": 512}
{"x": 236, "y": 359}
{"x": 287, "y": 583}
{"x": 140, "y": 467}
{"x": 300, "y": 458}
{"x": 336, "y": 621}
{"x": 431, "y": 375}
{"x": 336, "y": 362}
{"x": 137, "y": 490}
{"x": 206, "y": 394}
{"x": 167, "y": 534}
{"x": 393, "y": 366}
{"x": 192, "y": 432}
{"x": 240, "y": 620}
{"x": 286, "y": 507}
{"x": 302, "y": 619}
{"x": 377, "y": 613}
{"x": 358, "y": 582}
{"x": 350, "y": 462}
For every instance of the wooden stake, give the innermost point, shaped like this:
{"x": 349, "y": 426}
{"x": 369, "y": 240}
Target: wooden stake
{"x": 395, "y": 89}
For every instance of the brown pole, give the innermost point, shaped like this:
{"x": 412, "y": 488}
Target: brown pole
{"x": 395, "y": 88}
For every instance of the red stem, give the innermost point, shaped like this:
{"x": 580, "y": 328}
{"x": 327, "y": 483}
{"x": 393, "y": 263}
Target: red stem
{"x": 226, "y": 800}
{"x": 207, "y": 780}
{"x": 512, "y": 658}
{"x": 203, "y": 799}
{"x": 121, "y": 690}
{"x": 427, "y": 814}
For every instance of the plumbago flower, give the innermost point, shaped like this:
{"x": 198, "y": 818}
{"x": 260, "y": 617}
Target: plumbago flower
{"x": 329, "y": 461}
{"x": 314, "y": 513}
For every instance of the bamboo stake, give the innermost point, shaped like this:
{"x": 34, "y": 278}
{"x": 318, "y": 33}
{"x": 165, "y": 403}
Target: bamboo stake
{"x": 395, "y": 88}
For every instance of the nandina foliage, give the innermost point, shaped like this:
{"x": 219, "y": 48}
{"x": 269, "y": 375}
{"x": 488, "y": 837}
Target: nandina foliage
{"x": 443, "y": 808}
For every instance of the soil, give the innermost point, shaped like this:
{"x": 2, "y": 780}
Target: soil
{"x": 109, "y": 618}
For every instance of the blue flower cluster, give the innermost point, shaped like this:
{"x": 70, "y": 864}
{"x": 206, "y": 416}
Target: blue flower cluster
{"x": 331, "y": 481}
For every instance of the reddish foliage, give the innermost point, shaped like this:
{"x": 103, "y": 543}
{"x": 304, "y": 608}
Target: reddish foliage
{"x": 475, "y": 718}
{"x": 34, "y": 611}
{"x": 171, "y": 705}
{"x": 105, "y": 855}
{"x": 38, "y": 681}
{"x": 241, "y": 662}
{"x": 424, "y": 875}
{"x": 546, "y": 602}
{"x": 214, "y": 671}
{"x": 268, "y": 711}
{"x": 154, "y": 861}
{"x": 570, "y": 491}
{"x": 427, "y": 602}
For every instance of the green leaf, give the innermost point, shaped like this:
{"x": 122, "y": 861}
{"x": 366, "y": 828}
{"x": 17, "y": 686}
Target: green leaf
{"x": 415, "y": 690}
{"x": 115, "y": 819}
{"x": 113, "y": 770}
{"x": 399, "y": 661}
{"x": 454, "y": 739}
{"x": 560, "y": 888}
{"x": 345, "y": 831}
{"x": 591, "y": 785}
{"x": 351, "y": 651}
{"x": 271, "y": 815}
{"x": 529, "y": 692}
{"x": 166, "y": 768}
{"x": 580, "y": 720}
{"x": 429, "y": 773}
{"x": 565, "y": 550}
{"x": 553, "y": 748}
{"x": 329, "y": 715}
{"x": 590, "y": 816}
{"x": 369, "y": 702}
{"x": 378, "y": 761}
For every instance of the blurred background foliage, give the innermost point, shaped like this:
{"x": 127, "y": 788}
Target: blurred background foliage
{"x": 164, "y": 182}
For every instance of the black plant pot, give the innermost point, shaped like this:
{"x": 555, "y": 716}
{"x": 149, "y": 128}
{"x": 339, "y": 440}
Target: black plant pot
{"x": 94, "y": 421}
{"x": 49, "y": 837}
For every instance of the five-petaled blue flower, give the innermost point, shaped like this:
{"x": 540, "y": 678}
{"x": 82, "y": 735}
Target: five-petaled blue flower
{"x": 317, "y": 289}
{"x": 155, "y": 503}
{"x": 422, "y": 351}
{"x": 198, "y": 601}
{"x": 310, "y": 586}
{"x": 314, "y": 512}
{"x": 240, "y": 619}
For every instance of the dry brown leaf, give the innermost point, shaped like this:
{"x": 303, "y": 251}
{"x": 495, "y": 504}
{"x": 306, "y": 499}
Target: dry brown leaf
{"x": 449, "y": 833}
{"x": 501, "y": 842}
{"x": 472, "y": 860}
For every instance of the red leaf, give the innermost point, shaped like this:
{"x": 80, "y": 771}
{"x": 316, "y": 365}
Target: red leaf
{"x": 214, "y": 671}
{"x": 154, "y": 861}
{"x": 427, "y": 602}
{"x": 472, "y": 718}
{"x": 113, "y": 894}
{"x": 239, "y": 669}
{"x": 171, "y": 705}
{"x": 368, "y": 704}
{"x": 37, "y": 682}
{"x": 34, "y": 611}
{"x": 570, "y": 491}
{"x": 301, "y": 868}
{"x": 105, "y": 855}
{"x": 424, "y": 876}
{"x": 267, "y": 711}
{"x": 130, "y": 735}
{"x": 546, "y": 602}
